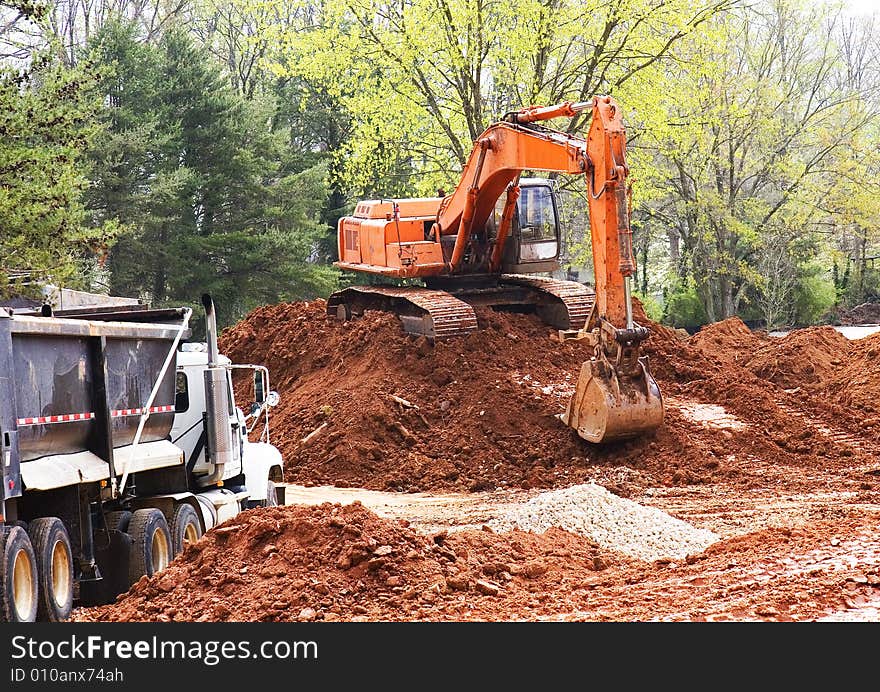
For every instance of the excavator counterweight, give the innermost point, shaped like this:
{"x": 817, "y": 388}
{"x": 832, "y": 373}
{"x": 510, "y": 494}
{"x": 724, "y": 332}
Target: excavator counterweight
{"x": 490, "y": 240}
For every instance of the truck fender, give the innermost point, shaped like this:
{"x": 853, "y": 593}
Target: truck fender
{"x": 166, "y": 503}
{"x": 258, "y": 461}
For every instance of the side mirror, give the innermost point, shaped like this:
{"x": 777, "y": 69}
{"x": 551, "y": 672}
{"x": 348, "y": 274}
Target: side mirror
{"x": 259, "y": 389}
{"x": 273, "y": 399}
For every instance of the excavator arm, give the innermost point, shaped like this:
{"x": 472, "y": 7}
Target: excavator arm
{"x": 616, "y": 396}
{"x": 508, "y": 148}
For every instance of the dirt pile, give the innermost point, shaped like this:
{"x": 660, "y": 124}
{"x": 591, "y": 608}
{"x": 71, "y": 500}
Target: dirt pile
{"x": 866, "y": 313}
{"x": 342, "y": 562}
{"x": 364, "y": 404}
{"x": 809, "y": 358}
{"x": 856, "y": 383}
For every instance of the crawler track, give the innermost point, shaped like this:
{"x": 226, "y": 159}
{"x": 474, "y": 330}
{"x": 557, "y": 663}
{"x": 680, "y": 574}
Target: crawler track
{"x": 444, "y": 314}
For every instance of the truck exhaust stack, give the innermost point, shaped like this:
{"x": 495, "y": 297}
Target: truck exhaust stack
{"x": 217, "y": 402}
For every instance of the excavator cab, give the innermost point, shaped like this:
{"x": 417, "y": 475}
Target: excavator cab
{"x": 535, "y": 239}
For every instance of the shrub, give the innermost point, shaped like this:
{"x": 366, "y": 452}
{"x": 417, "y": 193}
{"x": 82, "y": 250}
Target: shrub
{"x": 815, "y": 297}
{"x": 684, "y": 309}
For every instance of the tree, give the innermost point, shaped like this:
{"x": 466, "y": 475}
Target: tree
{"x": 423, "y": 78}
{"x": 46, "y": 114}
{"x": 762, "y": 121}
{"x": 202, "y": 184}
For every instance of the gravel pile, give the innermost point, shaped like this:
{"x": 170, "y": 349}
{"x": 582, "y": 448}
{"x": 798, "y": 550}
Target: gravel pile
{"x": 610, "y": 521}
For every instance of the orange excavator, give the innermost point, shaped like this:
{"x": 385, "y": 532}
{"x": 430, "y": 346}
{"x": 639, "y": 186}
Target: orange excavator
{"x": 489, "y": 242}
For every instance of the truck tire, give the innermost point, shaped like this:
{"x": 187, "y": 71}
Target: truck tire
{"x": 185, "y": 527}
{"x": 270, "y": 501}
{"x": 54, "y": 568}
{"x": 118, "y": 520}
{"x": 18, "y": 577}
{"x": 151, "y": 544}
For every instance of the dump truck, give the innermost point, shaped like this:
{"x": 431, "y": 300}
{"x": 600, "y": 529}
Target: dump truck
{"x": 121, "y": 443}
{"x": 489, "y": 242}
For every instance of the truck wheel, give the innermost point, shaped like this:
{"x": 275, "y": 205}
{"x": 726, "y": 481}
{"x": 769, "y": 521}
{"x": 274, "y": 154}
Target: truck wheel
{"x": 118, "y": 521}
{"x": 54, "y": 568}
{"x": 151, "y": 544}
{"x": 185, "y": 527}
{"x": 18, "y": 577}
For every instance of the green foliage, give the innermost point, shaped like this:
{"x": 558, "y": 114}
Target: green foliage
{"x": 421, "y": 79}
{"x": 684, "y": 309}
{"x": 46, "y": 120}
{"x": 814, "y": 297}
{"x": 758, "y": 141}
{"x": 211, "y": 198}
{"x": 653, "y": 308}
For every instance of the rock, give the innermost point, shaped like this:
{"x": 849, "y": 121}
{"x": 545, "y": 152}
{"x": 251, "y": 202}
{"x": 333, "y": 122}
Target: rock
{"x": 167, "y": 583}
{"x": 383, "y": 550}
{"x": 394, "y": 580}
{"x": 458, "y": 582}
{"x": 487, "y": 588}
{"x": 766, "y": 611}
{"x": 534, "y": 569}
{"x": 269, "y": 549}
{"x": 307, "y": 614}
{"x": 376, "y": 563}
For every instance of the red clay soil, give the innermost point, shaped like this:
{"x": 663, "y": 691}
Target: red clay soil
{"x": 335, "y": 562}
{"x": 786, "y": 474}
{"x": 480, "y": 411}
{"x": 332, "y": 562}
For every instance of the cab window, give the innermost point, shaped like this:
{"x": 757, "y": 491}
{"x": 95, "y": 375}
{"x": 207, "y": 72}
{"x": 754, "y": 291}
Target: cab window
{"x": 181, "y": 393}
{"x": 537, "y": 215}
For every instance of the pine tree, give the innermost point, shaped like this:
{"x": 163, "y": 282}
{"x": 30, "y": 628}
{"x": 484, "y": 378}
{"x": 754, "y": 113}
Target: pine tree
{"x": 46, "y": 121}
{"x": 210, "y": 197}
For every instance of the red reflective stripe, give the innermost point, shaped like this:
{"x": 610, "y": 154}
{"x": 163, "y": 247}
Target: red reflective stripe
{"x": 137, "y": 411}
{"x": 69, "y": 417}
{"x": 63, "y": 418}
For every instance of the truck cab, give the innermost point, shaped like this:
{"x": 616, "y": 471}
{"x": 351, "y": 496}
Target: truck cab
{"x": 254, "y": 465}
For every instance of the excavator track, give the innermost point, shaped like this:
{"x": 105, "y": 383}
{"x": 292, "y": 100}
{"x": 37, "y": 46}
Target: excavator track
{"x": 428, "y": 312}
{"x": 440, "y": 314}
{"x": 570, "y": 303}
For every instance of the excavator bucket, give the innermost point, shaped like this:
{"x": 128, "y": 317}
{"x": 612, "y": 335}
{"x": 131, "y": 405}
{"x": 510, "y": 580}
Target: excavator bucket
{"x": 606, "y": 406}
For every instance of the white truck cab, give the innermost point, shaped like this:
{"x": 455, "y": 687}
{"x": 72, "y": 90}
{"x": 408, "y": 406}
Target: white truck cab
{"x": 247, "y": 476}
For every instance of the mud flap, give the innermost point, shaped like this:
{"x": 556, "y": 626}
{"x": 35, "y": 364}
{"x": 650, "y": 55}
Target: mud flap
{"x": 606, "y": 406}
{"x": 112, "y": 557}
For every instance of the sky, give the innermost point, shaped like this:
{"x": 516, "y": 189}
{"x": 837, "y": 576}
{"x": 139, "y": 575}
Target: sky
{"x": 864, "y": 6}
